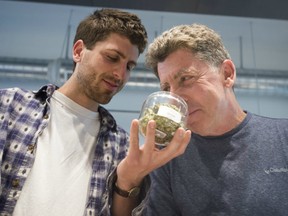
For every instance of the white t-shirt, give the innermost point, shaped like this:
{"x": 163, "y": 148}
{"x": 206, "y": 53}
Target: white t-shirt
{"x": 59, "y": 180}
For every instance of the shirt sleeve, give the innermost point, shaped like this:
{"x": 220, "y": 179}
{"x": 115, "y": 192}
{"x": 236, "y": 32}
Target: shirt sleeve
{"x": 143, "y": 196}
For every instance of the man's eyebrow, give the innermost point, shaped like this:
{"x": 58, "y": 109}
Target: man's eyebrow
{"x": 123, "y": 56}
{"x": 181, "y": 72}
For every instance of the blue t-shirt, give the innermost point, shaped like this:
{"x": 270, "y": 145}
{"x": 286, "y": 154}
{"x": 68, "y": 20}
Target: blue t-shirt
{"x": 241, "y": 173}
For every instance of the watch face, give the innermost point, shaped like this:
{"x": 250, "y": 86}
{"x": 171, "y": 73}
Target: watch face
{"x": 134, "y": 192}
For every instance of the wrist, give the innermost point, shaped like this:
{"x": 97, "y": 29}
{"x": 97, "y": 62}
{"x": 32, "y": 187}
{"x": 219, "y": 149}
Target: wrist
{"x": 130, "y": 193}
{"x": 127, "y": 183}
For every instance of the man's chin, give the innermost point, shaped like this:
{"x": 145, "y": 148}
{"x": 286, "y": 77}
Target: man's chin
{"x": 104, "y": 100}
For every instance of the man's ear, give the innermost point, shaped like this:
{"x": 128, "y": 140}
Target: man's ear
{"x": 229, "y": 72}
{"x": 78, "y": 47}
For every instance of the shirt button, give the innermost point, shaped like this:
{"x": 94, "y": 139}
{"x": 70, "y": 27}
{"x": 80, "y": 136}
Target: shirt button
{"x": 31, "y": 147}
{"x": 46, "y": 116}
{"x": 15, "y": 182}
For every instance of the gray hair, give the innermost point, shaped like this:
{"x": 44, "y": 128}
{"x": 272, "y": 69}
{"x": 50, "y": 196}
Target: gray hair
{"x": 202, "y": 41}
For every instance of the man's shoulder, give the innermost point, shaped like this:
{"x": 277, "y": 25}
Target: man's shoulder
{"x": 22, "y": 99}
{"x": 266, "y": 120}
{"x": 14, "y": 95}
{"x": 17, "y": 91}
{"x": 12, "y": 91}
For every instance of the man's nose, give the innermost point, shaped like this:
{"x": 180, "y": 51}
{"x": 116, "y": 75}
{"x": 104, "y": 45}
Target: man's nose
{"x": 120, "y": 72}
{"x": 179, "y": 93}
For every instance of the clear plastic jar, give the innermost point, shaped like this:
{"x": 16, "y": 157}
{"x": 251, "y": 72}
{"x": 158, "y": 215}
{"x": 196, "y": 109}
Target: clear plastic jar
{"x": 168, "y": 110}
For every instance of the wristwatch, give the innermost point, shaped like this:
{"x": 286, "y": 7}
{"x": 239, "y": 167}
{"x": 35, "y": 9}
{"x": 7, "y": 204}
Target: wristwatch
{"x": 133, "y": 192}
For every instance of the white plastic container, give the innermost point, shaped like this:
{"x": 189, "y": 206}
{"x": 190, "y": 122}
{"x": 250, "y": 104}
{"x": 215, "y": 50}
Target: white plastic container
{"x": 168, "y": 110}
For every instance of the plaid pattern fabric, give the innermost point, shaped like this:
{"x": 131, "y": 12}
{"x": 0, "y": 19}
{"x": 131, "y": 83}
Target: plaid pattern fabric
{"x": 23, "y": 116}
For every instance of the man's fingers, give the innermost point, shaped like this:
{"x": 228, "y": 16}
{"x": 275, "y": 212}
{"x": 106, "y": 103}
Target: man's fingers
{"x": 180, "y": 139}
{"x": 178, "y": 144}
{"x": 150, "y": 137}
{"x": 134, "y": 136}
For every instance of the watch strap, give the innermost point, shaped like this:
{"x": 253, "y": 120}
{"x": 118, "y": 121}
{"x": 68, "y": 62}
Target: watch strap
{"x": 133, "y": 192}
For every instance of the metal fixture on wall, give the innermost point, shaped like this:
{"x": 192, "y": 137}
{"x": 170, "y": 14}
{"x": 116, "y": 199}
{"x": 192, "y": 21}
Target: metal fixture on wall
{"x": 59, "y": 70}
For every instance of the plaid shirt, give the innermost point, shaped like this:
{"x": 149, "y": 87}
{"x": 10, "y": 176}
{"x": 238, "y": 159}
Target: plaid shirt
{"x": 23, "y": 116}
